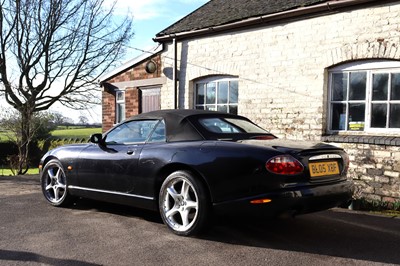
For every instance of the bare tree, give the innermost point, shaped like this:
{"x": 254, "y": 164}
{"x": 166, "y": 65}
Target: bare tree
{"x": 54, "y": 51}
{"x": 83, "y": 120}
{"x": 11, "y": 122}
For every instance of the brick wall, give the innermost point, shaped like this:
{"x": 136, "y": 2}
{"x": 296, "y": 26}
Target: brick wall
{"x": 132, "y": 95}
{"x": 282, "y": 70}
{"x": 139, "y": 72}
{"x": 132, "y": 102}
{"x": 108, "y": 110}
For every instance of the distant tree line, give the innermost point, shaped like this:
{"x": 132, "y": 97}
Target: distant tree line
{"x": 41, "y": 124}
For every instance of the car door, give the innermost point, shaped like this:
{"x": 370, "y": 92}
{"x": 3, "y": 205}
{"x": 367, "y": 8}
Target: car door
{"x": 112, "y": 164}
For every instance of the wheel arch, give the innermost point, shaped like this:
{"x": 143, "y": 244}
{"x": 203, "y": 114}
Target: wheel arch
{"x": 170, "y": 168}
{"x": 48, "y": 159}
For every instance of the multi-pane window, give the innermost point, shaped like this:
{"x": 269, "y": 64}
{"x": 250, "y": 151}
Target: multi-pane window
{"x": 120, "y": 106}
{"x": 217, "y": 94}
{"x": 365, "y": 97}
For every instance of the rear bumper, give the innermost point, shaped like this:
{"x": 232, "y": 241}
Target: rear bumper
{"x": 293, "y": 201}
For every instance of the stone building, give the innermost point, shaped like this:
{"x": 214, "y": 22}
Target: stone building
{"x": 303, "y": 69}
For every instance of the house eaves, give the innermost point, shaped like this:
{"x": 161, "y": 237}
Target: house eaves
{"x": 325, "y": 7}
{"x": 131, "y": 63}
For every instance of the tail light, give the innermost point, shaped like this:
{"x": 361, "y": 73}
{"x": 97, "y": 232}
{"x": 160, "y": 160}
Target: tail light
{"x": 284, "y": 165}
{"x": 264, "y": 137}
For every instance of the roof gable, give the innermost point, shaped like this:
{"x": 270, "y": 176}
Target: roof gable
{"x": 221, "y": 12}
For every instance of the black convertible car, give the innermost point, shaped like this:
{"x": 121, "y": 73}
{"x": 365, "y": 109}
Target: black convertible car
{"x": 189, "y": 164}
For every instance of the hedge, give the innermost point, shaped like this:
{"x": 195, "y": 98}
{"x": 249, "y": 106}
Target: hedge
{"x": 37, "y": 150}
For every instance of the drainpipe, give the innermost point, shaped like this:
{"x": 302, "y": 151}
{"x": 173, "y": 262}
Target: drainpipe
{"x": 175, "y": 73}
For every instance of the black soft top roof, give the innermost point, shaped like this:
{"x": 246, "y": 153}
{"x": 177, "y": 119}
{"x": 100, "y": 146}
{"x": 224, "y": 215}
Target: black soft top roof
{"x": 178, "y": 122}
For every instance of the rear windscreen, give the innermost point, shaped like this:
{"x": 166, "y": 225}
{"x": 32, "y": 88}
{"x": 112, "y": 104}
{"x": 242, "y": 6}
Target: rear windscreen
{"x": 230, "y": 126}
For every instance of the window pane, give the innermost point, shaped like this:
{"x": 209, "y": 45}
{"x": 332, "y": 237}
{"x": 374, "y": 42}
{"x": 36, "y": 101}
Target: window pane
{"x": 395, "y": 88}
{"x": 339, "y": 87}
{"x": 223, "y": 108}
{"x": 233, "y": 91}
{"x": 394, "y": 118}
{"x": 233, "y": 109}
{"x": 200, "y": 93}
{"x": 211, "y": 108}
{"x": 380, "y": 87}
{"x": 357, "y": 85}
{"x": 378, "y": 115}
{"x": 210, "y": 94}
{"x": 356, "y": 116}
{"x": 338, "y": 116}
{"x": 120, "y": 112}
{"x": 133, "y": 131}
{"x": 120, "y": 96}
{"x": 223, "y": 92}
{"x": 159, "y": 133}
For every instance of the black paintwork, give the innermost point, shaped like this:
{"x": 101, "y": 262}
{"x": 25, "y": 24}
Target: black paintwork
{"x": 233, "y": 171}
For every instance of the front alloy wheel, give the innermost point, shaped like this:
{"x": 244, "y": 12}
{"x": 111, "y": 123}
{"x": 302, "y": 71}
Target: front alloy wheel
{"x": 54, "y": 183}
{"x": 183, "y": 203}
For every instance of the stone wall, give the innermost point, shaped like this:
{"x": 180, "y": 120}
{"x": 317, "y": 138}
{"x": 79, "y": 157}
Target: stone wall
{"x": 283, "y": 75}
{"x": 285, "y": 64}
{"x": 375, "y": 170}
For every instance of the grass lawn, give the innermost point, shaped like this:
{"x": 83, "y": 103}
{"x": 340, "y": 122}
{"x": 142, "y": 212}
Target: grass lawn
{"x": 64, "y": 133}
{"x": 3, "y": 136}
{"x": 7, "y": 172}
{"x": 75, "y": 133}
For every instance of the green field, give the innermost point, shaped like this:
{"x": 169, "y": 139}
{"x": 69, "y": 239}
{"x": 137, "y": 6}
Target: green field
{"x": 3, "y": 136}
{"x": 7, "y": 172}
{"x": 79, "y": 133}
{"x": 65, "y": 133}
{"x": 60, "y": 133}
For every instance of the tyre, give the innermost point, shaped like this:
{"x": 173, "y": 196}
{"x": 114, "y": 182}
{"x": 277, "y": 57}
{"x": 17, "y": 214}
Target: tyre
{"x": 184, "y": 203}
{"x": 54, "y": 184}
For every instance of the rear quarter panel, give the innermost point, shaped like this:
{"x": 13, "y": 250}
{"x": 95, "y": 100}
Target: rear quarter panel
{"x": 230, "y": 170}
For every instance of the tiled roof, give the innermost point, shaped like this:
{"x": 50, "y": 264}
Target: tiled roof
{"x": 221, "y": 12}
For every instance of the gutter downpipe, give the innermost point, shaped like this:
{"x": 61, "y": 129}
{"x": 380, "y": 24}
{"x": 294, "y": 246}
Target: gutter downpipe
{"x": 175, "y": 72}
{"x": 330, "y": 7}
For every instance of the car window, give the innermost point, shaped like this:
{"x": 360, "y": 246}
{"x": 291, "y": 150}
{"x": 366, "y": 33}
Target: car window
{"x": 230, "y": 126}
{"x": 158, "y": 134}
{"x": 131, "y": 132}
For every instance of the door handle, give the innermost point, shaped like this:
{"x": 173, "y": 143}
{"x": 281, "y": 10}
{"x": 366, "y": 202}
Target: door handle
{"x": 130, "y": 152}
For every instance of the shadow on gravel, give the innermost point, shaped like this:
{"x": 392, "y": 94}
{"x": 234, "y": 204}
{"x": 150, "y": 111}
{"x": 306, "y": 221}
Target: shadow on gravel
{"x": 21, "y": 179}
{"x": 117, "y": 209}
{"x": 19, "y": 256}
{"x": 337, "y": 233}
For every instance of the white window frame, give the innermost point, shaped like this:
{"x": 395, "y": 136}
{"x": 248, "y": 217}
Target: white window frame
{"x": 217, "y": 80}
{"x": 119, "y": 106}
{"x": 371, "y": 67}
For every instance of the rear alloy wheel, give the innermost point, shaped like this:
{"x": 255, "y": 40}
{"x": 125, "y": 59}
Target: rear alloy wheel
{"x": 183, "y": 203}
{"x": 54, "y": 184}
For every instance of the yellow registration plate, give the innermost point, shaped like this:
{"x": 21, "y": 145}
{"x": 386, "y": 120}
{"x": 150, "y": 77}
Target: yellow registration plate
{"x": 323, "y": 168}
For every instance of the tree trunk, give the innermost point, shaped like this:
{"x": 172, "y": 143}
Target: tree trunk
{"x": 26, "y": 138}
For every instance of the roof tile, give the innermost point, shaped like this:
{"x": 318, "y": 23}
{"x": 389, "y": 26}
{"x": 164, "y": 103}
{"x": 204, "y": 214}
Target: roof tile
{"x": 220, "y": 12}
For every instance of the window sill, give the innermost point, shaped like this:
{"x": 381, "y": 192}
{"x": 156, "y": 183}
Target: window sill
{"x": 388, "y": 140}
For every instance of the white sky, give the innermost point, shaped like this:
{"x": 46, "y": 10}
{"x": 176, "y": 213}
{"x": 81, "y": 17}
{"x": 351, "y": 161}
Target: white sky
{"x": 149, "y": 18}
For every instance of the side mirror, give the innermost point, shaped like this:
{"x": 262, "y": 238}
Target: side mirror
{"x": 97, "y": 139}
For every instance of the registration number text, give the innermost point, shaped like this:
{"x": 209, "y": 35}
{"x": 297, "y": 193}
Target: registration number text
{"x": 323, "y": 169}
